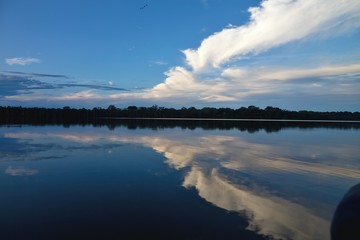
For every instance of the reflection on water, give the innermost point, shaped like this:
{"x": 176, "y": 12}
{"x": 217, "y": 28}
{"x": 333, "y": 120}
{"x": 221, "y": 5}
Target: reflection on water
{"x": 287, "y": 184}
{"x": 20, "y": 171}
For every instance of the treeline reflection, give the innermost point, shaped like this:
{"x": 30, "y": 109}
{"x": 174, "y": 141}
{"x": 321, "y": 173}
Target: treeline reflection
{"x": 243, "y": 126}
{"x": 251, "y": 126}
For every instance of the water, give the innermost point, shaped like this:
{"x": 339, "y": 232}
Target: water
{"x": 151, "y": 180}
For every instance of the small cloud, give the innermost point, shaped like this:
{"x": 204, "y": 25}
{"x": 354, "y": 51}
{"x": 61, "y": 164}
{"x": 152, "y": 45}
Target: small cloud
{"x": 231, "y": 26}
{"x": 21, "y": 61}
{"x": 161, "y": 63}
{"x": 20, "y": 171}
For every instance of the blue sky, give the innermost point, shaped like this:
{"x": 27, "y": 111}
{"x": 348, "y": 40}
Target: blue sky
{"x": 292, "y": 54}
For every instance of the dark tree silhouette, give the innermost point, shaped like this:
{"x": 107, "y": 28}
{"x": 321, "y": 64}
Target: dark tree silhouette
{"x": 68, "y": 115}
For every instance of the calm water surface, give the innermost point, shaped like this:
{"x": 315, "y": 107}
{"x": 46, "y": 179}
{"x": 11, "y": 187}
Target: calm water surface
{"x": 126, "y": 182}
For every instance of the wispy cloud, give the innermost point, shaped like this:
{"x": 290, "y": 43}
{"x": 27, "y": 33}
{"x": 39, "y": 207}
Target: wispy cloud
{"x": 92, "y": 86}
{"x": 28, "y": 86}
{"x": 12, "y": 84}
{"x": 21, "y": 61}
{"x": 35, "y": 74}
{"x": 160, "y": 62}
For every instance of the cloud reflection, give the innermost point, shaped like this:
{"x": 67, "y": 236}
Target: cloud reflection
{"x": 267, "y": 213}
{"x": 20, "y": 171}
{"x": 245, "y": 173}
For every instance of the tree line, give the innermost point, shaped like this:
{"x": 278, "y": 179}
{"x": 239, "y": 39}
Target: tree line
{"x": 68, "y": 115}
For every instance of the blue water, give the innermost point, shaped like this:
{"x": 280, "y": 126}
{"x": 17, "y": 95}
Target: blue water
{"x": 173, "y": 183}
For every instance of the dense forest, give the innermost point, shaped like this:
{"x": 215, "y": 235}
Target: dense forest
{"x": 67, "y": 115}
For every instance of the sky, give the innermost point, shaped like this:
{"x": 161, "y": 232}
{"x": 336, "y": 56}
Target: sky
{"x": 292, "y": 54}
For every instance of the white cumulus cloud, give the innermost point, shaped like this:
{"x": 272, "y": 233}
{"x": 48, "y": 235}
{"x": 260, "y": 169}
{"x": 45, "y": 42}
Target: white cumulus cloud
{"x": 274, "y": 23}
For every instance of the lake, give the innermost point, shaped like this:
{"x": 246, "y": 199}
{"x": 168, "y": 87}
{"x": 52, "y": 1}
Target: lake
{"x": 175, "y": 180}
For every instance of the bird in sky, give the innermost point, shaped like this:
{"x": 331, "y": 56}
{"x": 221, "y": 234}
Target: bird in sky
{"x": 143, "y": 7}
